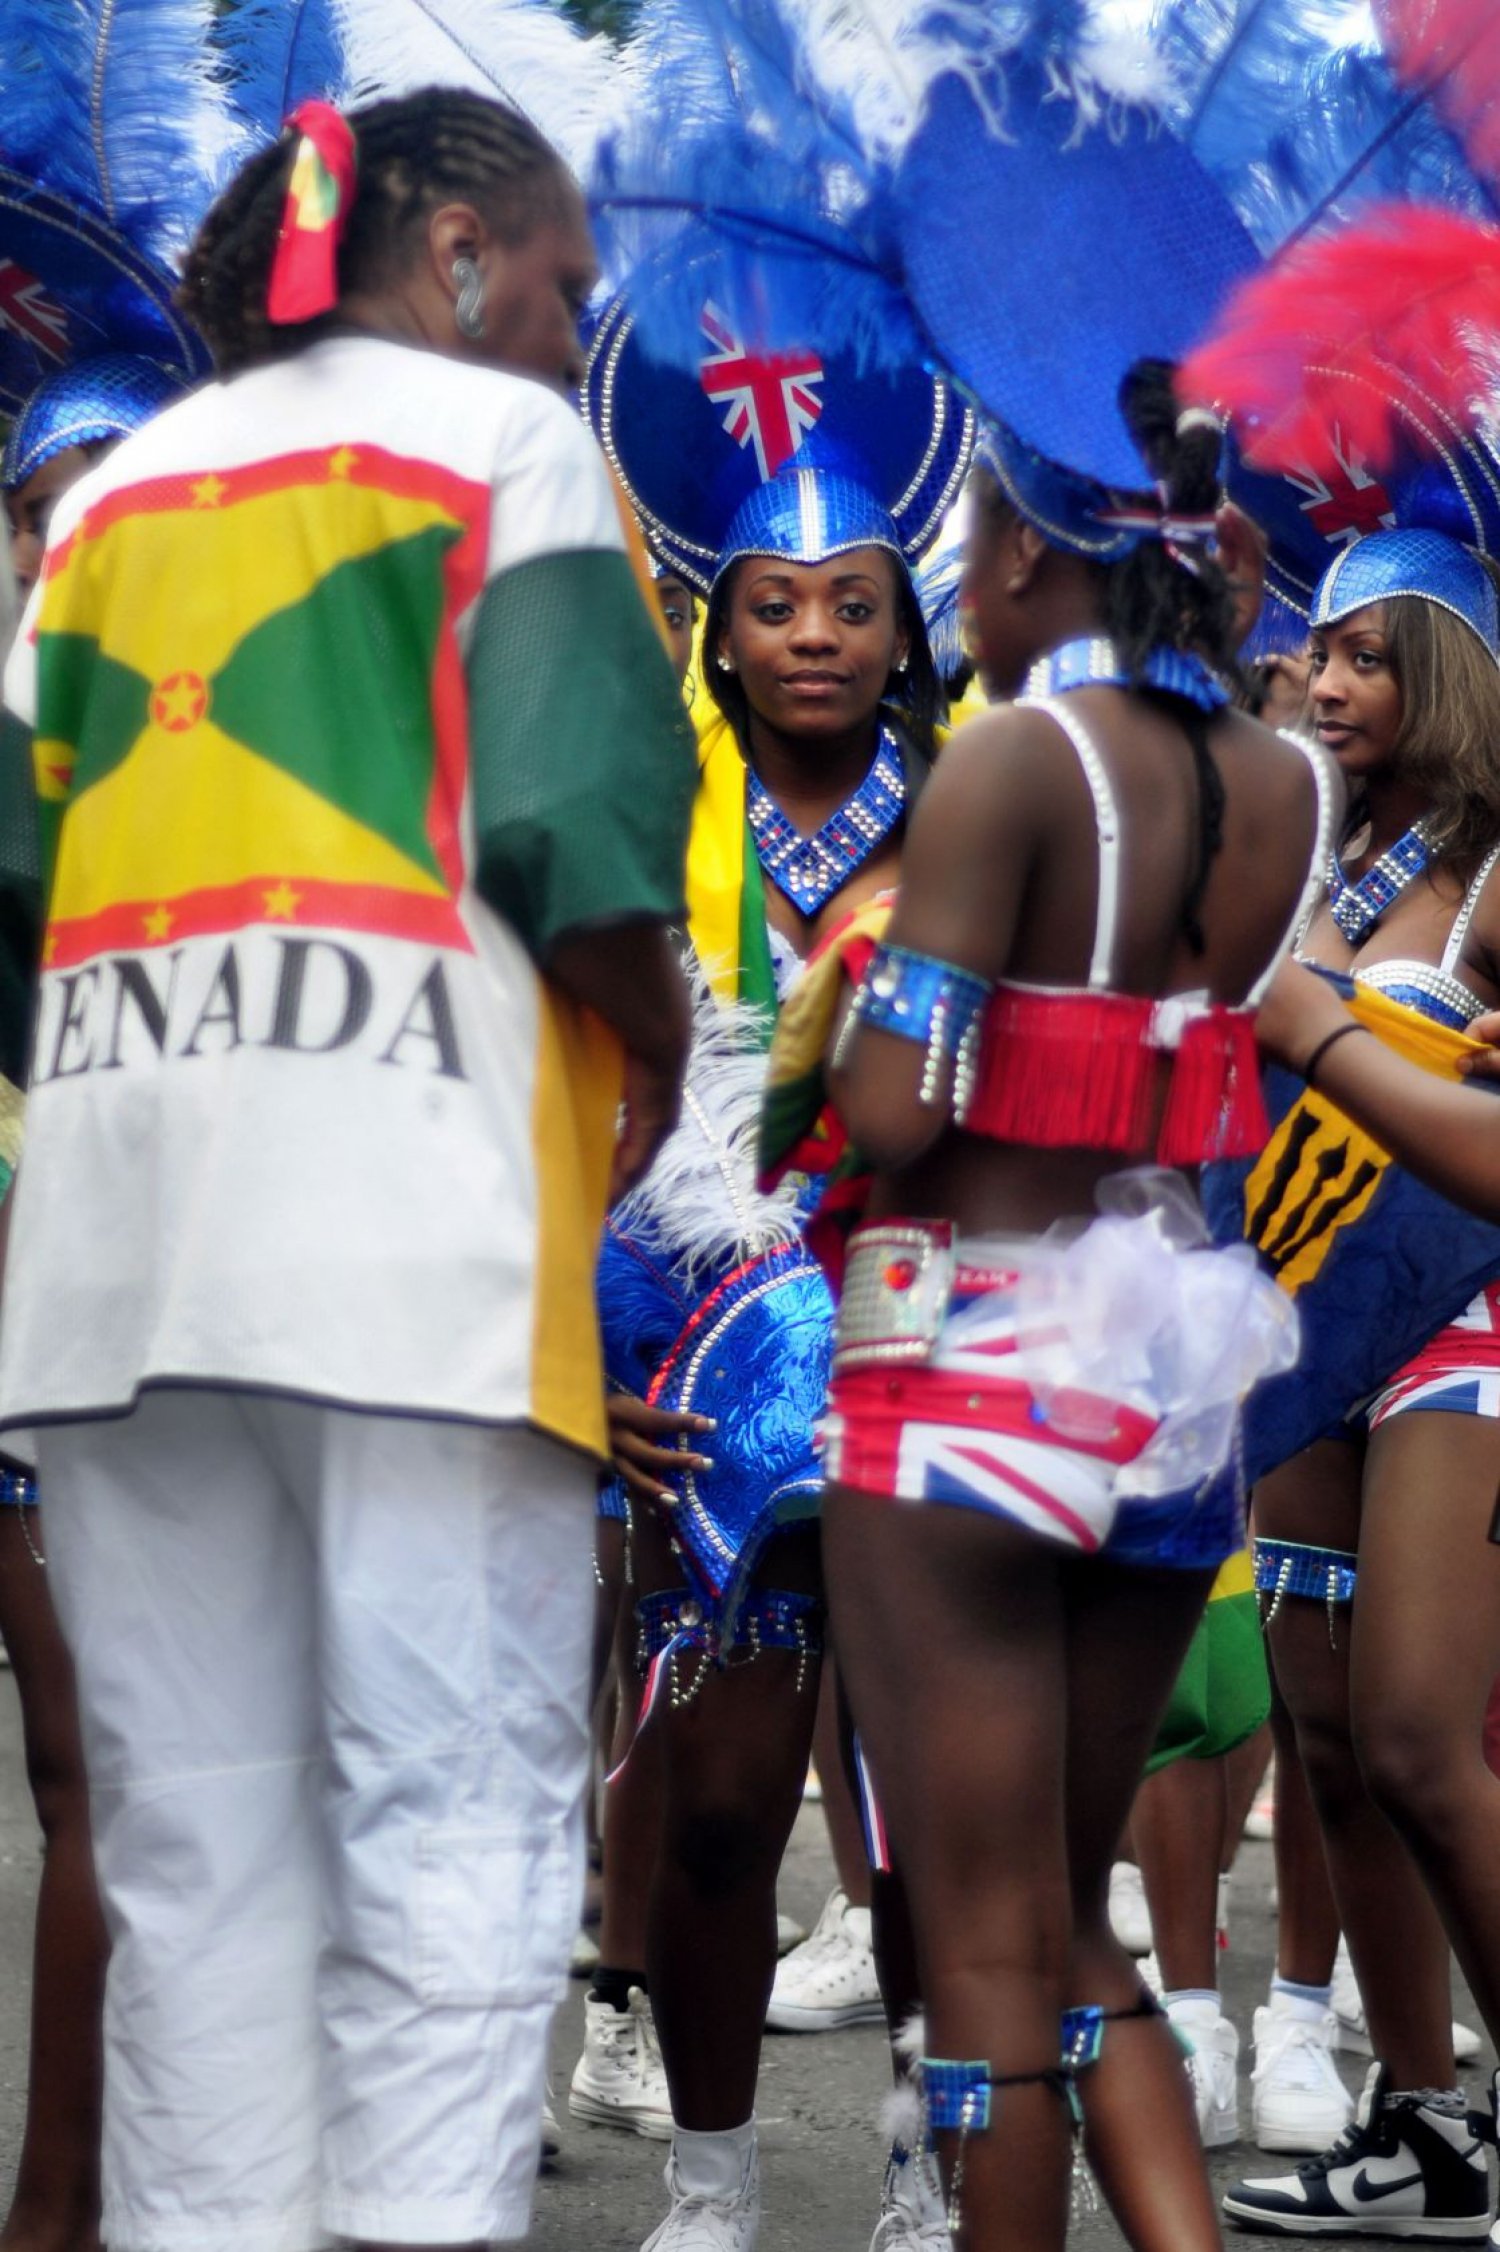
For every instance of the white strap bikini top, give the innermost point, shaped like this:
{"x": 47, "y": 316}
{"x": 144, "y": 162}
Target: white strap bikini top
{"x": 1108, "y": 826}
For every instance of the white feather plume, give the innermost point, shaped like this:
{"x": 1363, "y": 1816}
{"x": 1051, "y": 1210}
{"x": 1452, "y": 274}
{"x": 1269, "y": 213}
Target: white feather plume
{"x": 881, "y": 58}
{"x": 699, "y": 1203}
{"x": 524, "y": 52}
{"x": 910, "y": 2039}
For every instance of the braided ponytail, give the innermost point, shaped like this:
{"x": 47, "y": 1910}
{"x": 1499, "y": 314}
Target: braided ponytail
{"x": 414, "y": 152}
{"x": 1151, "y": 598}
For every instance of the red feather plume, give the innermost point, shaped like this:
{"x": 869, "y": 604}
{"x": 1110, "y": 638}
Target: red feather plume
{"x": 1449, "y": 51}
{"x": 1315, "y": 339}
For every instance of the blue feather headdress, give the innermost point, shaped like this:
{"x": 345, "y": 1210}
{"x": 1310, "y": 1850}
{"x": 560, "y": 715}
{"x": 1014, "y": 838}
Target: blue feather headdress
{"x": 712, "y": 456}
{"x": 1126, "y": 186}
{"x": 276, "y": 54}
{"x": 115, "y": 134}
{"x": 120, "y": 120}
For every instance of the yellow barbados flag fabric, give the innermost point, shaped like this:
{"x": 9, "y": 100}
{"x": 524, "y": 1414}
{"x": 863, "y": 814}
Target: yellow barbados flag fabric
{"x": 1376, "y": 1262}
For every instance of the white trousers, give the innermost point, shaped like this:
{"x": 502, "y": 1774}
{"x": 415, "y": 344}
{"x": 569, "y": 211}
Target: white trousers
{"x": 333, "y": 1671}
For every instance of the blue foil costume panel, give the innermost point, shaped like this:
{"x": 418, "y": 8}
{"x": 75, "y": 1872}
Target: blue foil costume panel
{"x": 751, "y": 1347}
{"x": 710, "y": 1304}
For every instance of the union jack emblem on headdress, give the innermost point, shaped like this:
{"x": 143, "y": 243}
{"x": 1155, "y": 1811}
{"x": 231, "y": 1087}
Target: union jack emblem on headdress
{"x": 1347, "y": 501}
{"x": 771, "y": 401}
{"x": 27, "y": 310}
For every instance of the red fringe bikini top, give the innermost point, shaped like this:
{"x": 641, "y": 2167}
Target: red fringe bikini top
{"x": 1074, "y": 1067}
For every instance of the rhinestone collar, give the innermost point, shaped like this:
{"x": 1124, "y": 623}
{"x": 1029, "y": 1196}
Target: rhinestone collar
{"x": 809, "y": 870}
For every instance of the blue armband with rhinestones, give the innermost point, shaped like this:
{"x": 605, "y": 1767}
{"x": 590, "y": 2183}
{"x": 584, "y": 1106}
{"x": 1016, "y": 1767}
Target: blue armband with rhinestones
{"x": 933, "y": 1003}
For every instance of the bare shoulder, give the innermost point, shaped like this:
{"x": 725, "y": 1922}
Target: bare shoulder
{"x": 999, "y": 757}
{"x": 996, "y": 775}
{"x": 1278, "y": 773}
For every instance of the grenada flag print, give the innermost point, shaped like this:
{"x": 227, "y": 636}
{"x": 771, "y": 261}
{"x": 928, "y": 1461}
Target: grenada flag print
{"x": 279, "y": 815}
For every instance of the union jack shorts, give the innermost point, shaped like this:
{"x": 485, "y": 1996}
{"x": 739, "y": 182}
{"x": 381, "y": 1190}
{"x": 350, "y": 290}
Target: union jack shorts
{"x": 1457, "y": 1372}
{"x": 956, "y": 1426}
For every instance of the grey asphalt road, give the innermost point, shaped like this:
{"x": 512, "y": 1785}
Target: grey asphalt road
{"x": 819, "y": 2095}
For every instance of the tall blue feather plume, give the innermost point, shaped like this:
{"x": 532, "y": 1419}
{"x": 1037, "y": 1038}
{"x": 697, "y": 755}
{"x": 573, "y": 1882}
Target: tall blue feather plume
{"x": 275, "y": 54}
{"x": 46, "y": 64}
{"x": 765, "y": 139}
{"x": 1298, "y": 121}
{"x": 112, "y": 104}
{"x": 156, "y": 114}
{"x": 741, "y": 173}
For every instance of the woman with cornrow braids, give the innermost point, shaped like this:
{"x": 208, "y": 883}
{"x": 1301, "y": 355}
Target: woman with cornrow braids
{"x": 365, "y": 819}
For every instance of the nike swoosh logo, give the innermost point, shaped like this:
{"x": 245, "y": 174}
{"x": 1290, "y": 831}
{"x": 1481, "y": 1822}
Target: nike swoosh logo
{"x": 1365, "y": 2192}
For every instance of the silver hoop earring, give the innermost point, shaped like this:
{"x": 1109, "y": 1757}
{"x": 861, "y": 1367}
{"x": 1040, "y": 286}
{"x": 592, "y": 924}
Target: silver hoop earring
{"x": 468, "y": 312}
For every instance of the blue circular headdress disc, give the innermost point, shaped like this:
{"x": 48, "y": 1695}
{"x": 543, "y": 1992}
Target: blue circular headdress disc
{"x": 1442, "y": 477}
{"x": 690, "y": 445}
{"x": 991, "y": 218}
{"x": 70, "y": 288}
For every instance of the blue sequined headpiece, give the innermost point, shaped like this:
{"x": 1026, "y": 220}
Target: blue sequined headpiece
{"x": 806, "y": 515}
{"x": 85, "y": 405}
{"x": 798, "y": 452}
{"x": 1423, "y": 564}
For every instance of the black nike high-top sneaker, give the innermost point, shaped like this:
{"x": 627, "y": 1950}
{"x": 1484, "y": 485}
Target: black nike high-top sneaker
{"x": 1403, "y": 2167}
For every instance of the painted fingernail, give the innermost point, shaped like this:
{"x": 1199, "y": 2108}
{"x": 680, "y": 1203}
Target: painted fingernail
{"x": 703, "y": 1462}
{"x": 665, "y": 1493}
{"x": 707, "y": 1423}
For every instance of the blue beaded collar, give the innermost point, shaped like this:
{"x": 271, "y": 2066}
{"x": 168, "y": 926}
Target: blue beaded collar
{"x": 809, "y": 870}
{"x": 1092, "y": 661}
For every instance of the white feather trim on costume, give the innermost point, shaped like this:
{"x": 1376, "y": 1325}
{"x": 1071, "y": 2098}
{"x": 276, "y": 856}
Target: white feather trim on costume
{"x": 910, "y": 2041}
{"x": 699, "y": 1203}
{"x": 901, "y": 2115}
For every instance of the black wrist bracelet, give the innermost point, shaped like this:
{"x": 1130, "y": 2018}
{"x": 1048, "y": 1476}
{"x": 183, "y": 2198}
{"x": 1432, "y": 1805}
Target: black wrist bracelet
{"x": 1329, "y": 1040}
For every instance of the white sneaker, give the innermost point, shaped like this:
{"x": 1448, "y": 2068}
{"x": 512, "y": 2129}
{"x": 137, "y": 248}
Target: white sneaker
{"x": 789, "y": 1933}
{"x": 1129, "y": 1917}
{"x": 1297, "y": 2100}
{"x": 829, "y": 1981}
{"x": 1212, "y": 2065}
{"x": 913, "y": 2212}
{"x": 710, "y": 2224}
{"x": 1348, "y": 2007}
{"x": 619, "y": 2080}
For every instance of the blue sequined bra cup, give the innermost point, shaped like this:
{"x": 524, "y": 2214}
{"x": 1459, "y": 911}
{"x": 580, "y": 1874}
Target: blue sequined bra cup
{"x": 1434, "y": 990}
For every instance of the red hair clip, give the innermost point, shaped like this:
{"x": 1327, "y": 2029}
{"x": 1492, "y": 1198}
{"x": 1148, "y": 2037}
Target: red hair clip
{"x": 304, "y": 272}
